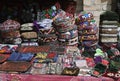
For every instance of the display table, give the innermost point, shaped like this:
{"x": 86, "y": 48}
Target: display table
{"x": 26, "y": 77}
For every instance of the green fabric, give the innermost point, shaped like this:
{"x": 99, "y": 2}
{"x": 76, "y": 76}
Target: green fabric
{"x": 99, "y": 52}
{"x": 100, "y": 68}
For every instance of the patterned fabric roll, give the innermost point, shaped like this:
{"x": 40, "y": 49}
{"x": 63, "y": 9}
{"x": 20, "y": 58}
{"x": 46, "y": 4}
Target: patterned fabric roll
{"x": 108, "y": 30}
{"x": 17, "y": 40}
{"x": 50, "y": 30}
{"x": 88, "y": 37}
{"x": 65, "y": 28}
{"x": 63, "y": 21}
{"x": 89, "y": 43}
{"x": 10, "y": 25}
{"x": 72, "y": 41}
{"x": 26, "y": 27}
{"x": 47, "y": 38}
{"x": 29, "y": 35}
{"x": 10, "y": 34}
{"x": 91, "y": 31}
{"x": 68, "y": 35}
{"x": 108, "y": 38}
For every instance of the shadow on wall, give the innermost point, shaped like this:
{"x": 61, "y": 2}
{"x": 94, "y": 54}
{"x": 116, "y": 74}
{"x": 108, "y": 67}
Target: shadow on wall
{"x": 112, "y": 5}
{"x": 108, "y": 4}
{"x": 79, "y": 7}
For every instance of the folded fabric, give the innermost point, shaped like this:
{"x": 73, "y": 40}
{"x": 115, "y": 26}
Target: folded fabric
{"x": 44, "y": 57}
{"x": 3, "y": 57}
{"x": 15, "y": 66}
{"x": 20, "y": 56}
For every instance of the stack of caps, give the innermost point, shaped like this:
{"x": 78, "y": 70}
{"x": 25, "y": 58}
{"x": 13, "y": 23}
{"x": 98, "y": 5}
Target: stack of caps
{"x": 66, "y": 29}
{"x": 10, "y": 32}
{"x": 29, "y": 35}
{"x": 87, "y": 29}
{"x": 46, "y": 32}
{"x": 108, "y": 32}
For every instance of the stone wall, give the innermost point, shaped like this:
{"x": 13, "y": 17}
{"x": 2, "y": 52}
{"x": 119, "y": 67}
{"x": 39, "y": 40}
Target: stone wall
{"x": 97, "y": 7}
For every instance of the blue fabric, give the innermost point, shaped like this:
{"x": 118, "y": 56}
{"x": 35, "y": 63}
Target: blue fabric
{"x": 25, "y": 57}
{"x": 16, "y": 56}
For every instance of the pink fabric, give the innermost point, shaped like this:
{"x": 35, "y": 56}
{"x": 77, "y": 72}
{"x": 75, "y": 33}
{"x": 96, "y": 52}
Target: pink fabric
{"x": 26, "y": 77}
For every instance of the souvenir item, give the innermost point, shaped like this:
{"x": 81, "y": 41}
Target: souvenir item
{"x": 98, "y": 56}
{"x": 88, "y": 37}
{"x": 48, "y": 13}
{"x": 50, "y": 30}
{"x": 113, "y": 74}
{"x": 39, "y": 68}
{"x": 10, "y": 34}
{"x": 33, "y": 49}
{"x": 116, "y": 61}
{"x": 29, "y": 35}
{"x": 44, "y": 24}
{"x": 29, "y": 44}
{"x": 16, "y": 56}
{"x": 4, "y": 57}
{"x": 7, "y": 48}
{"x": 71, "y": 71}
{"x": 108, "y": 37}
{"x": 84, "y": 72}
{"x": 113, "y": 52}
{"x": 91, "y": 31}
{"x": 81, "y": 63}
{"x": 17, "y": 41}
{"x": 108, "y": 30}
{"x": 68, "y": 35}
{"x": 99, "y": 52}
{"x": 59, "y": 49}
{"x": 10, "y": 25}
{"x": 98, "y": 70}
{"x": 65, "y": 28}
{"x": 90, "y": 62}
{"x": 54, "y": 68}
{"x": 47, "y": 38}
{"x": 15, "y": 66}
{"x": 64, "y": 21}
{"x": 27, "y": 27}
{"x": 89, "y": 43}
{"x": 83, "y": 16}
{"x": 74, "y": 52}
{"x": 9, "y": 41}
{"x": 41, "y": 57}
{"x": 29, "y": 40}
{"x": 72, "y": 41}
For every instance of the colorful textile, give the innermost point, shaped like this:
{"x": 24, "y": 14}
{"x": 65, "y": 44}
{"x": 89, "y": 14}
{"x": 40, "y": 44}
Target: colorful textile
{"x": 10, "y": 25}
{"x": 20, "y": 56}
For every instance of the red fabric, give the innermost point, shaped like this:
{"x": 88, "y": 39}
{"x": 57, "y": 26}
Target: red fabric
{"x": 26, "y": 77}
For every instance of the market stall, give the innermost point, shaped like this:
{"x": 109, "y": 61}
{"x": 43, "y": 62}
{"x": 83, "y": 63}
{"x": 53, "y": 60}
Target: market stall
{"x": 52, "y": 44}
